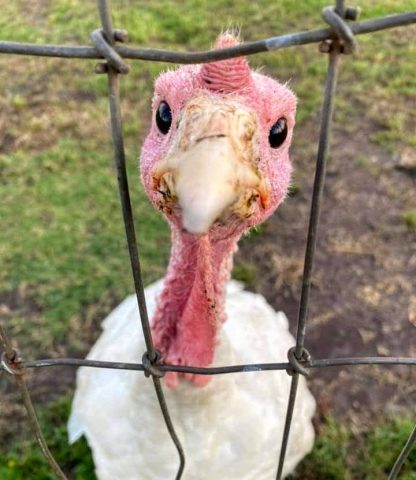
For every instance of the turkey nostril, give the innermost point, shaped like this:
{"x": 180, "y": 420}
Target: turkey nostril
{"x": 253, "y": 198}
{"x": 214, "y": 135}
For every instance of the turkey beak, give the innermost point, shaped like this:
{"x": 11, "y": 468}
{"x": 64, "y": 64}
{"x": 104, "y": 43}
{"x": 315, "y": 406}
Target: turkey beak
{"x": 211, "y": 170}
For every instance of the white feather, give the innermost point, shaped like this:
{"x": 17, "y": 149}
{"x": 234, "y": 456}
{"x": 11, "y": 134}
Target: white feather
{"x": 230, "y": 429}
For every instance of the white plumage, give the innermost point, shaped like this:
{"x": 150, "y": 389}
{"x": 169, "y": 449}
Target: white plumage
{"x": 230, "y": 429}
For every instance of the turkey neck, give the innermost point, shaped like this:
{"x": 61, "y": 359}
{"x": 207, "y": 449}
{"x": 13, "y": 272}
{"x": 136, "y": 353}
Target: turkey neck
{"x": 191, "y": 306}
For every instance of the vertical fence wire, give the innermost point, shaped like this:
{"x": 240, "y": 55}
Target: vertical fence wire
{"x": 123, "y": 185}
{"x": 340, "y": 7}
{"x": 120, "y": 161}
{"x": 340, "y": 39}
{"x": 327, "y": 111}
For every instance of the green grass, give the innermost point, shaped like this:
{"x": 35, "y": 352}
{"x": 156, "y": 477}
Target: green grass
{"x": 62, "y": 246}
{"x": 409, "y": 219}
{"x": 71, "y": 246}
{"x": 246, "y": 273}
{"x": 25, "y": 460}
{"x": 339, "y": 455}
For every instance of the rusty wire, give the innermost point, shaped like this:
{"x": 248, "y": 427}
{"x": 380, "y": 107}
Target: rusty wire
{"x": 336, "y": 40}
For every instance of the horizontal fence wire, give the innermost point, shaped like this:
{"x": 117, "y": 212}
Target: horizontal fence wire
{"x": 250, "y": 367}
{"x": 336, "y": 40}
{"x": 247, "y": 48}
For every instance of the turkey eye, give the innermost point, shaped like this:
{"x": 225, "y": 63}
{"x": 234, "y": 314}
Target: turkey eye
{"x": 278, "y": 133}
{"x": 163, "y": 118}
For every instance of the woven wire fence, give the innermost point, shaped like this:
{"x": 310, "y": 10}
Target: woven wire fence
{"x": 336, "y": 40}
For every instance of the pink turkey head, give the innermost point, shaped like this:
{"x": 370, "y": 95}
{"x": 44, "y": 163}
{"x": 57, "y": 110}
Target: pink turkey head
{"x": 216, "y": 158}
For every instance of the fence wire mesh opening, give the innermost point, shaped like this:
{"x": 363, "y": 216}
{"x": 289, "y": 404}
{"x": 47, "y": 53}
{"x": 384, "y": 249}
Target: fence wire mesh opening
{"x": 337, "y": 38}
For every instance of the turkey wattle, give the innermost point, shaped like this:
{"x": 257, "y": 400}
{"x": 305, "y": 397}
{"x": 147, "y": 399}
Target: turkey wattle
{"x": 215, "y": 162}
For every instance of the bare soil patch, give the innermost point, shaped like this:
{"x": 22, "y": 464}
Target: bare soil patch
{"x": 362, "y": 300}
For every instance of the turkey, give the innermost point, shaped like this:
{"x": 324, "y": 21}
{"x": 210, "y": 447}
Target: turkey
{"x": 215, "y": 163}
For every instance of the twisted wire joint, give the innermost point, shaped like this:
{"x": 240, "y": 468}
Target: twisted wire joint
{"x": 12, "y": 364}
{"x": 104, "y": 46}
{"x": 297, "y": 365}
{"x": 345, "y": 36}
{"x": 151, "y": 368}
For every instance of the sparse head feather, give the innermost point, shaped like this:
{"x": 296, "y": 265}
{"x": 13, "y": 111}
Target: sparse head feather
{"x": 226, "y": 75}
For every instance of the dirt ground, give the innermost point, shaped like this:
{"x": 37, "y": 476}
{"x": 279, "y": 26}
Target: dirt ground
{"x": 363, "y": 297}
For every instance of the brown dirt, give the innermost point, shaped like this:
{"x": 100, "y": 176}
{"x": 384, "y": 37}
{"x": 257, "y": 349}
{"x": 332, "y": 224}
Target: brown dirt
{"x": 362, "y": 300}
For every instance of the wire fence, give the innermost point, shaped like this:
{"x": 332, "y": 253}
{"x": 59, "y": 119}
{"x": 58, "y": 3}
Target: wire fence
{"x": 336, "y": 40}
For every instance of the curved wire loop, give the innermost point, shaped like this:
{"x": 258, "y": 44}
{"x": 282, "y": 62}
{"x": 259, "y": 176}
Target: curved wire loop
{"x": 12, "y": 364}
{"x": 103, "y": 46}
{"x": 340, "y": 27}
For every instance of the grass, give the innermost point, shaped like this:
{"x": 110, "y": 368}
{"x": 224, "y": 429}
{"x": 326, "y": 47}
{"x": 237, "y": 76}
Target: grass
{"x": 336, "y": 456}
{"x": 62, "y": 248}
{"x": 70, "y": 233}
{"x": 246, "y": 273}
{"x": 25, "y": 460}
{"x": 409, "y": 218}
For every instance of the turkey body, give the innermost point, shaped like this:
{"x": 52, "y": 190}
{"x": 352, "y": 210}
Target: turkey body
{"x": 230, "y": 429}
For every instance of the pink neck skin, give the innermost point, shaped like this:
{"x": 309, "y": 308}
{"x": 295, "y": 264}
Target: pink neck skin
{"x": 191, "y": 306}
